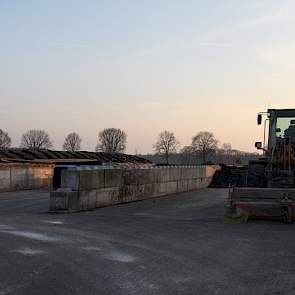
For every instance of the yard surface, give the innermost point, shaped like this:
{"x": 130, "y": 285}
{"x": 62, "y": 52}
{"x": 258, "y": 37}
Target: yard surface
{"x": 171, "y": 245}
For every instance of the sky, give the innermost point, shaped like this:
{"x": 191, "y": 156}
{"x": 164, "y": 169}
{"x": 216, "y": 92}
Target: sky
{"x": 145, "y": 66}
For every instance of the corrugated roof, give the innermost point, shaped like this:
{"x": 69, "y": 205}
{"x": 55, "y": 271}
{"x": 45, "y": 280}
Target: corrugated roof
{"x": 23, "y": 155}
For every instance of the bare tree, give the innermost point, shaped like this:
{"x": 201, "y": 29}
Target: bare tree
{"x": 5, "y": 140}
{"x": 166, "y": 144}
{"x": 226, "y": 147}
{"x": 72, "y": 142}
{"x": 227, "y": 150}
{"x": 112, "y": 140}
{"x": 36, "y": 140}
{"x": 186, "y": 150}
{"x": 186, "y": 156}
{"x": 204, "y": 143}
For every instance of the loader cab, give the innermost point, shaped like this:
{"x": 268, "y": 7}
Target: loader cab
{"x": 281, "y": 125}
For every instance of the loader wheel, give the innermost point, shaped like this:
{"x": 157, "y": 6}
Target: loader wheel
{"x": 256, "y": 175}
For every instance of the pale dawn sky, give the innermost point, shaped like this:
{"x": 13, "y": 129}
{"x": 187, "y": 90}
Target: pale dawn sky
{"x": 145, "y": 66}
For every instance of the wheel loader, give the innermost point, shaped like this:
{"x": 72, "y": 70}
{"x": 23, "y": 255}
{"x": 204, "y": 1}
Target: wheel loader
{"x": 270, "y": 190}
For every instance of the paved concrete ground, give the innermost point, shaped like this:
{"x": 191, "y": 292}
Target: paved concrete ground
{"x": 170, "y": 245}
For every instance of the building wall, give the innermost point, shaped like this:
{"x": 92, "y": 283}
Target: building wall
{"x": 25, "y": 176}
{"x": 89, "y": 189}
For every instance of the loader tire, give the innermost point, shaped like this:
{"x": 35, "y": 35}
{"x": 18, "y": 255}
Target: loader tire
{"x": 256, "y": 175}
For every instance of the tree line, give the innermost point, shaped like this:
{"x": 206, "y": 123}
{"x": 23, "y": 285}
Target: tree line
{"x": 110, "y": 140}
{"x": 203, "y": 143}
{"x": 204, "y": 146}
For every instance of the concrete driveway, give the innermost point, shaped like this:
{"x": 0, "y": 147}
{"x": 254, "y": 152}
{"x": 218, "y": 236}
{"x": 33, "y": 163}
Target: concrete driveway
{"x": 170, "y": 245}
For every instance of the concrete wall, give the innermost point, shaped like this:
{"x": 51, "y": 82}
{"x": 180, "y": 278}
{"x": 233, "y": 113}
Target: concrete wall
{"x": 25, "y": 176}
{"x": 89, "y": 189}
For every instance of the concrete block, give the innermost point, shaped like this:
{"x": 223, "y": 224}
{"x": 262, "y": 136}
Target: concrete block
{"x": 25, "y": 176}
{"x": 39, "y": 176}
{"x": 125, "y": 194}
{"x": 141, "y": 192}
{"x": 148, "y": 176}
{"x": 107, "y": 196}
{"x": 19, "y": 178}
{"x": 138, "y": 192}
{"x": 182, "y": 186}
{"x": 4, "y": 178}
{"x": 178, "y": 174}
{"x": 196, "y": 184}
{"x": 156, "y": 189}
{"x": 165, "y": 174}
{"x": 128, "y": 193}
{"x": 35, "y": 177}
{"x": 113, "y": 178}
{"x": 127, "y": 176}
{"x": 201, "y": 182}
{"x": 190, "y": 184}
{"x": 91, "y": 179}
{"x": 73, "y": 201}
{"x": 182, "y": 173}
{"x": 162, "y": 189}
{"x": 99, "y": 188}
{"x": 171, "y": 187}
{"x": 195, "y": 172}
{"x": 186, "y": 173}
{"x": 149, "y": 190}
{"x": 174, "y": 174}
{"x": 104, "y": 197}
{"x": 59, "y": 200}
{"x": 137, "y": 176}
{"x": 156, "y": 175}
{"x": 70, "y": 179}
{"x": 202, "y": 170}
{"x": 87, "y": 199}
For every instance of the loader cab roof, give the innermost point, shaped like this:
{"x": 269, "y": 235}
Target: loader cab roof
{"x": 283, "y": 113}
